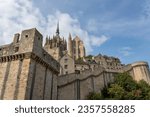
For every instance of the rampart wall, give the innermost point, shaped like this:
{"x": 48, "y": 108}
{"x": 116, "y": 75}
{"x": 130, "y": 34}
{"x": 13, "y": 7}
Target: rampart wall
{"x": 78, "y": 86}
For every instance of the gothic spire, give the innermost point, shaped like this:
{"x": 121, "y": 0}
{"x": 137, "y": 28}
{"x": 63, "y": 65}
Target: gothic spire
{"x": 70, "y": 36}
{"x": 57, "y": 30}
{"x": 46, "y": 40}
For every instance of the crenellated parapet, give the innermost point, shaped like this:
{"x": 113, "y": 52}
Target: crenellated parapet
{"x": 48, "y": 61}
{"x": 14, "y": 57}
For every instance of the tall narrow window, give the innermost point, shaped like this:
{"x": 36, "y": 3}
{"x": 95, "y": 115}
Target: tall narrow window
{"x": 66, "y": 66}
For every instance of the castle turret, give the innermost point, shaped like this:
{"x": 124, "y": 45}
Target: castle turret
{"x": 31, "y": 41}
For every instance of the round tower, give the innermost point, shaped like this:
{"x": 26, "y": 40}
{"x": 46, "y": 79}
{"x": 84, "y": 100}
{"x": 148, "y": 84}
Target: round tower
{"x": 141, "y": 71}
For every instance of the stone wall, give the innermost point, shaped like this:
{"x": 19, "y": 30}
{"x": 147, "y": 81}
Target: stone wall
{"x": 13, "y": 78}
{"x": 67, "y": 65}
{"x": 78, "y": 86}
{"x": 30, "y": 72}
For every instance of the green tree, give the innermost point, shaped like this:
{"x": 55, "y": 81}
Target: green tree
{"x": 125, "y": 81}
{"x": 115, "y": 91}
{"x": 94, "y": 96}
{"x": 145, "y": 89}
{"x": 124, "y": 87}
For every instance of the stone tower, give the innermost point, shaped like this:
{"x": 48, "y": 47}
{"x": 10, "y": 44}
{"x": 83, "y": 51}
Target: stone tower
{"x": 56, "y": 45}
{"x": 139, "y": 71}
{"x": 27, "y": 71}
{"x": 76, "y": 47}
{"x": 70, "y": 46}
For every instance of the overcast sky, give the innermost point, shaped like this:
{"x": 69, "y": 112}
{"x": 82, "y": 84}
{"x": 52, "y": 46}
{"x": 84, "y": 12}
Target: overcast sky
{"x": 119, "y": 28}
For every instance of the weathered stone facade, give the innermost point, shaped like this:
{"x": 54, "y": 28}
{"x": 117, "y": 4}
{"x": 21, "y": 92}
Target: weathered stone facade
{"x": 139, "y": 71}
{"x": 56, "y": 46}
{"x": 76, "y": 48}
{"x": 108, "y": 62}
{"x": 67, "y": 64}
{"x": 78, "y": 86}
{"x": 27, "y": 71}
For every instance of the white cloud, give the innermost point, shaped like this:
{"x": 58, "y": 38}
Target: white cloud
{"x": 126, "y": 51}
{"x": 17, "y": 15}
{"x": 97, "y": 41}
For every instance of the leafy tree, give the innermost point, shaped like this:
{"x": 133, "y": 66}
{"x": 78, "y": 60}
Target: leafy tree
{"x": 125, "y": 81}
{"x": 116, "y": 91}
{"x": 89, "y": 56}
{"x": 124, "y": 87}
{"x": 145, "y": 89}
{"x": 94, "y": 96}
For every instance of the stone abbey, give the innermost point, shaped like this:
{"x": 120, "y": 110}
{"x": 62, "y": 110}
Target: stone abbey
{"x": 58, "y": 70}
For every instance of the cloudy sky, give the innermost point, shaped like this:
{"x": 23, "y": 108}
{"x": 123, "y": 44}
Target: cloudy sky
{"x": 119, "y": 28}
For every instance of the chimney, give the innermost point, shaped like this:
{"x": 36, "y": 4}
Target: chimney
{"x": 16, "y": 38}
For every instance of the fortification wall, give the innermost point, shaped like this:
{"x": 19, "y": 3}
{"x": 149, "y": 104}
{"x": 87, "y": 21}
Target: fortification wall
{"x": 141, "y": 71}
{"x": 28, "y": 72}
{"x": 78, "y": 86}
{"x": 13, "y": 75}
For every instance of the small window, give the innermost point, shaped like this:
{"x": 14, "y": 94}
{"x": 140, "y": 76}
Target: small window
{"x": 65, "y": 60}
{"x": 39, "y": 38}
{"x": 66, "y": 72}
{"x": 26, "y": 36}
{"x": 0, "y": 49}
{"x": 66, "y": 66}
{"x": 16, "y": 49}
{"x": 44, "y": 54}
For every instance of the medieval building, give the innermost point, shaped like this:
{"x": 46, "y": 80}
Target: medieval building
{"x": 30, "y": 71}
{"x": 76, "y": 48}
{"x": 27, "y": 71}
{"x": 56, "y": 45}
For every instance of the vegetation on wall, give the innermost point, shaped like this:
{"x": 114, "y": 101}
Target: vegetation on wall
{"x": 89, "y": 57}
{"x": 123, "y": 88}
{"x": 80, "y": 61}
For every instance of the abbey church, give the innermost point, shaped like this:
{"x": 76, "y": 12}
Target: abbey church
{"x": 59, "y": 70}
